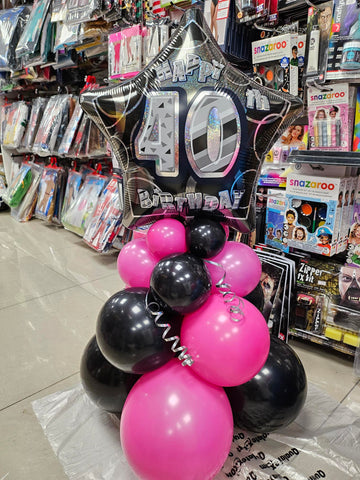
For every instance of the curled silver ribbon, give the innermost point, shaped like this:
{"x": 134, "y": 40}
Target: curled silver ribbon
{"x": 185, "y": 358}
{"x": 236, "y": 313}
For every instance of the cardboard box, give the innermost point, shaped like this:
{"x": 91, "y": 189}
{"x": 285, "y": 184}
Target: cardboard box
{"x": 331, "y": 118}
{"x": 313, "y": 212}
{"x": 274, "y": 65}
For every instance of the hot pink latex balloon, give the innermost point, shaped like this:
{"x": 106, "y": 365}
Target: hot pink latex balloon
{"x": 226, "y": 352}
{"x": 135, "y": 263}
{"x": 166, "y": 237}
{"x": 176, "y": 426}
{"x": 242, "y": 267}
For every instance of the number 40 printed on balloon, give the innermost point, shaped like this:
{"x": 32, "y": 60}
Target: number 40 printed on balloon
{"x": 190, "y": 131}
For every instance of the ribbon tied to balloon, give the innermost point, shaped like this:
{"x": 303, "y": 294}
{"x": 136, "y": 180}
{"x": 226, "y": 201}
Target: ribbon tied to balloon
{"x": 190, "y": 131}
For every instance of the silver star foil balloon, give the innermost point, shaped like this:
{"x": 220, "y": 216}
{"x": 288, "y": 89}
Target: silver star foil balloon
{"x": 189, "y": 132}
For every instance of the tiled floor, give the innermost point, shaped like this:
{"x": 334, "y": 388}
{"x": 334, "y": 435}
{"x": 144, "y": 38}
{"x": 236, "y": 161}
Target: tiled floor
{"x": 52, "y": 287}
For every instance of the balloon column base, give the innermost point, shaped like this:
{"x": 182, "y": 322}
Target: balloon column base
{"x": 324, "y": 440}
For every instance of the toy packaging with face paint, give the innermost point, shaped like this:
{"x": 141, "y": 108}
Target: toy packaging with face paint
{"x": 275, "y": 219}
{"x": 314, "y": 207}
{"x": 328, "y": 304}
{"x": 344, "y": 45}
{"x": 331, "y": 117}
{"x": 353, "y": 247}
{"x": 276, "y": 64}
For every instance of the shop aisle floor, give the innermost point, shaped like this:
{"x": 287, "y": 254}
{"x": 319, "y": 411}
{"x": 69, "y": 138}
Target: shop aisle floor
{"x": 52, "y": 287}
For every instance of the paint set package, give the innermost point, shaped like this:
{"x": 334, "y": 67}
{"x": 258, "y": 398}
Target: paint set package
{"x": 331, "y": 117}
{"x": 276, "y": 62}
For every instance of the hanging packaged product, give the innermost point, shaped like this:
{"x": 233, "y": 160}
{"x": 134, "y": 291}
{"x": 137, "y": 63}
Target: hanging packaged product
{"x": 73, "y": 185}
{"x": 71, "y": 130}
{"x": 43, "y": 50}
{"x": 45, "y": 205}
{"x": 58, "y": 10}
{"x": 155, "y": 36}
{"x": 317, "y": 42}
{"x": 78, "y": 148}
{"x": 125, "y": 49}
{"x": 31, "y": 34}
{"x": 66, "y": 36}
{"x": 19, "y": 186}
{"x": 55, "y": 114}
{"x": 344, "y": 46}
{"x": 96, "y": 145}
{"x": 16, "y": 121}
{"x": 105, "y": 222}
{"x": 25, "y": 210}
{"x": 216, "y": 14}
{"x": 4, "y": 111}
{"x": 3, "y": 187}
{"x": 274, "y": 64}
{"x": 60, "y": 192}
{"x": 12, "y": 23}
{"x": 37, "y": 110}
{"x": 78, "y": 216}
{"x": 66, "y": 114}
{"x": 331, "y": 117}
{"x": 79, "y": 11}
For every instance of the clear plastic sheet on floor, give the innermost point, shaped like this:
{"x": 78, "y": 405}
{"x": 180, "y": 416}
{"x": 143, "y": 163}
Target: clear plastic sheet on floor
{"x": 323, "y": 442}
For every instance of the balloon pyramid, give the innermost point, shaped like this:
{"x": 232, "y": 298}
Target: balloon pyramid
{"x": 189, "y": 134}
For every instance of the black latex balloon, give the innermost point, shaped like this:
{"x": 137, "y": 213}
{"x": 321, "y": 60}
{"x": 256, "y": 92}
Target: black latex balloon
{"x": 182, "y": 282}
{"x": 205, "y": 238}
{"x": 256, "y": 297}
{"x": 275, "y": 396}
{"x": 106, "y": 385}
{"x": 127, "y": 334}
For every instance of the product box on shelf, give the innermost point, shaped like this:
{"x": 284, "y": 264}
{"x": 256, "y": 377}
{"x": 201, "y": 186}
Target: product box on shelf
{"x": 313, "y": 213}
{"x": 331, "y": 117}
{"x": 328, "y": 304}
{"x": 348, "y": 208}
{"x": 294, "y": 138}
{"x": 356, "y": 136}
{"x": 353, "y": 248}
{"x": 275, "y": 219}
{"x": 344, "y": 45}
{"x": 275, "y": 62}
